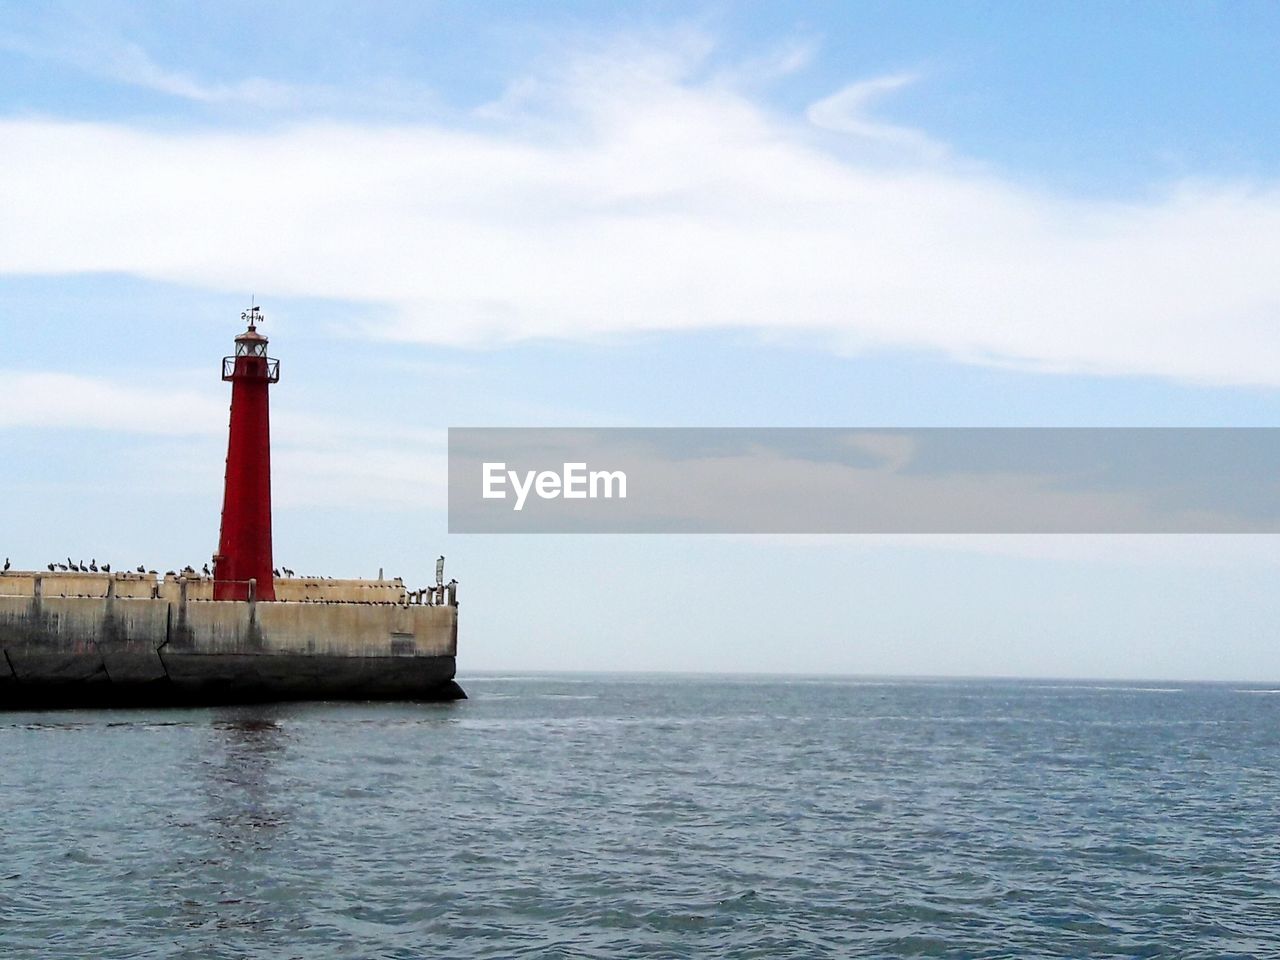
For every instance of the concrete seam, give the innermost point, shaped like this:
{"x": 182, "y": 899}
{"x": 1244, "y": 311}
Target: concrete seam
{"x": 16, "y": 678}
{"x": 160, "y": 656}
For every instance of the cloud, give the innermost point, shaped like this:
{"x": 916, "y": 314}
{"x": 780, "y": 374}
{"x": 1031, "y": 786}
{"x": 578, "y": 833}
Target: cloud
{"x": 123, "y": 62}
{"x": 47, "y": 401}
{"x": 316, "y": 460}
{"x": 98, "y": 53}
{"x": 623, "y": 195}
{"x": 846, "y": 112}
{"x": 130, "y": 64}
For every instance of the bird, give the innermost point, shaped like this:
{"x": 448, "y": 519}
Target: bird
{"x": 151, "y": 572}
{"x": 275, "y": 572}
{"x": 141, "y": 568}
{"x": 62, "y": 566}
{"x": 6, "y": 564}
{"x": 71, "y": 564}
{"x": 93, "y": 564}
{"x": 170, "y": 573}
{"x": 206, "y": 570}
{"x": 106, "y": 568}
{"x": 52, "y": 567}
{"x": 83, "y": 567}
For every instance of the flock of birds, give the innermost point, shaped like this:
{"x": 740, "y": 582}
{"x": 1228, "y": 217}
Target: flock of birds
{"x": 429, "y": 594}
{"x": 82, "y": 567}
{"x": 93, "y": 566}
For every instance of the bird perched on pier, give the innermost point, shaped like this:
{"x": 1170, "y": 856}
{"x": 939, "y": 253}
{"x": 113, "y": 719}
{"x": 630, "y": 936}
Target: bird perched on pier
{"x": 106, "y": 568}
{"x": 275, "y": 573}
{"x": 93, "y": 564}
{"x": 206, "y": 570}
{"x": 141, "y": 568}
{"x": 170, "y": 573}
{"x": 6, "y": 564}
{"x": 52, "y": 567}
{"x": 62, "y": 566}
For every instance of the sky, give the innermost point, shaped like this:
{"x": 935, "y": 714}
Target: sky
{"x": 647, "y": 215}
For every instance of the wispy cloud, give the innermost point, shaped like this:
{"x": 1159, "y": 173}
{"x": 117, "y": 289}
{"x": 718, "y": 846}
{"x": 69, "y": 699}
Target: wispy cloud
{"x": 105, "y": 57}
{"x": 848, "y": 111}
{"x": 130, "y": 64}
{"x": 318, "y": 460}
{"x": 51, "y": 400}
{"x": 624, "y": 194}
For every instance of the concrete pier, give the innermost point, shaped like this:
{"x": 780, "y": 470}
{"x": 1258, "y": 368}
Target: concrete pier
{"x": 77, "y": 639}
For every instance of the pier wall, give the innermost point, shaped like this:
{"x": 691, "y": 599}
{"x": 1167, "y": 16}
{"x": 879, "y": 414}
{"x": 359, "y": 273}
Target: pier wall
{"x": 89, "y": 641}
{"x": 140, "y": 585}
{"x": 337, "y": 629}
{"x": 144, "y": 586}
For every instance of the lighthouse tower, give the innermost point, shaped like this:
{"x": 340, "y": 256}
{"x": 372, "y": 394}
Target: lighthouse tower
{"x": 244, "y": 548}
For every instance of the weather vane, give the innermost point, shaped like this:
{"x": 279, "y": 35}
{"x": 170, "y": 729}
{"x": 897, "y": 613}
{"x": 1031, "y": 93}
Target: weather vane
{"x": 253, "y": 316}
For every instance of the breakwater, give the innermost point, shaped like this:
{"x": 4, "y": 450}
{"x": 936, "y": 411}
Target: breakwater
{"x": 89, "y": 639}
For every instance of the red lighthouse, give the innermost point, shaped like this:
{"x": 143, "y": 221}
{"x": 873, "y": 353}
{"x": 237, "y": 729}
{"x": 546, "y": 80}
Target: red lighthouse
{"x": 244, "y": 549}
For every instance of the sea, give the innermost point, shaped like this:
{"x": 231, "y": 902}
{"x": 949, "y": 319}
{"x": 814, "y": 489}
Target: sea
{"x": 600, "y": 816}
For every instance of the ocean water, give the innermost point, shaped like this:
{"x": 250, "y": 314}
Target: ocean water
{"x": 562, "y": 816}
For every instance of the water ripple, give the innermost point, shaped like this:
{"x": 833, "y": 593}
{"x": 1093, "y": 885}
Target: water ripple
{"x": 622, "y": 817}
